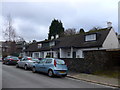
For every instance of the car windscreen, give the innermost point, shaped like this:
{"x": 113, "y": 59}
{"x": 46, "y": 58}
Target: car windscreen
{"x": 59, "y": 61}
{"x": 15, "y": 58}
{"x": 35, "y": 60}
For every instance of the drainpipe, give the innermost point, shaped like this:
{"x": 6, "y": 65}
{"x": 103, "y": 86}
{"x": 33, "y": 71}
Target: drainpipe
{"x": 71, "y": 52}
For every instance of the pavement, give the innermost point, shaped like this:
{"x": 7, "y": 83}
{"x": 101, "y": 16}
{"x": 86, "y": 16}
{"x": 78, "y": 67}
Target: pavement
{"x": 114, "y": 82}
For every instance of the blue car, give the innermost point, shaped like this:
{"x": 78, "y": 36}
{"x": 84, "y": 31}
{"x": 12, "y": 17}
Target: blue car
{"x": 51, "y": 66}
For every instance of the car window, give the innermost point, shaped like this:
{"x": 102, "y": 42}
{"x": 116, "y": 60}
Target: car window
{"x": 59, "y": 61}
{"x": 15, "y": 58}
{"x": 43, "y": 61}
{"x": 36, "y": 60}
{"x": 48, "y": 60}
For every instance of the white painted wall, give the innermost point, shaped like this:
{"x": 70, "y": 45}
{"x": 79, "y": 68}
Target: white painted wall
{"x": 79, "y": 53}
{"x": 64, "y": 53}
{"x": 34, "y": 54}
{"x": 111, "y": 42}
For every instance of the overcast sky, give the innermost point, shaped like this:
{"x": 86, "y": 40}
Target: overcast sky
{"x": 32, "y": 19}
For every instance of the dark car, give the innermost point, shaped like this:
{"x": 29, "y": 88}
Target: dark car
{"x": 10, "y": 60}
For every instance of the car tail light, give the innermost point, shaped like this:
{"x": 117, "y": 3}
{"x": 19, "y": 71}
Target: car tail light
{"x": 10, "y": 59}
{"x": 66, "y": 64}
{"x": 29, "y": 58}
{"x": 55, "y": 63}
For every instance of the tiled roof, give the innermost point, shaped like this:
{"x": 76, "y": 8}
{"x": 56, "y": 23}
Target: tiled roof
{"x": 79, "y": 42}
{"x": 76, "y": 41}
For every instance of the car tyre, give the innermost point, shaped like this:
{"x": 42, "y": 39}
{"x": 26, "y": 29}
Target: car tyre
{"x": 17, "y": 66}
{"x": 33, "y": 70}
{"x": 50, "y": 73}
{"x": 7, "y": 63}
{"x": 64, "y": 75}
{"x": 25, "y": 67}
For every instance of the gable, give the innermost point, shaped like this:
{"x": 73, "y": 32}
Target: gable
{"x": 111, "y": 40}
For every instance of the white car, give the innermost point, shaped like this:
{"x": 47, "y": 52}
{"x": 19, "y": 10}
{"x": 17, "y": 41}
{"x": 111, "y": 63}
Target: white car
{"x": 26, "y": 62}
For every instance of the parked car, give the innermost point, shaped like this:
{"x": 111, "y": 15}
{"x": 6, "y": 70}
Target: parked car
{"x": 0, "y": 59}
{"x": 51, "y": 66}
{"x": 26, "y": 63}
{"x": 10, "y": 60}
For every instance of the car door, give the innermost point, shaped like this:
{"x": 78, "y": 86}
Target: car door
{"x": 47, "y": 64}
{"x": 23, "y": 62}
{"x": 40, "y": 67}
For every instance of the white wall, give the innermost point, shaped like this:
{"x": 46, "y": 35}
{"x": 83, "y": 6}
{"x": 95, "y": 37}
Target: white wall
{"x": 34, "y": 54}
{"x": 79, "y": 53}
{"x": 64, "y": 53}
{"x": 111, "y": 42}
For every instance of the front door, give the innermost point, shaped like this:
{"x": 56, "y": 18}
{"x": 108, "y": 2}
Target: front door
{"x": 74, "y": 54}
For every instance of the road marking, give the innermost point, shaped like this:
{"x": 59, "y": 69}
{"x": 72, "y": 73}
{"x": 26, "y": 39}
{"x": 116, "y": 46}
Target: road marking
{"x": 92, "y": 83}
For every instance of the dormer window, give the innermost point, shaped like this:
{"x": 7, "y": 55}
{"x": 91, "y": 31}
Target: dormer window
{"x": 52, "y": 43}
{"x": 39, "y": 45}
{"x": 90, "y": 37}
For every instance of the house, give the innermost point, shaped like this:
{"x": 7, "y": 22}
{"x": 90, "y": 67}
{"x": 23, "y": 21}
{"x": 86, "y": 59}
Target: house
{"x": 74, "y": 46}
{"x": 0, "y": 49}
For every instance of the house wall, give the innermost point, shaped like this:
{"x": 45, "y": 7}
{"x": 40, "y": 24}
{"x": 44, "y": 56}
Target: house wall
{"x": 44, "y": 54}
{"x": 111, "y": 41}
{"x": 36, "y": 54}
{"x": 65, "y": 53}
{"x": 79, "y": 53}
{"x": 0, "y": 49}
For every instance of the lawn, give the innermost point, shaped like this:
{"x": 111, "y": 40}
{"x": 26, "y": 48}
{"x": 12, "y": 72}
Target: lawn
{"x": 109, "y": 73}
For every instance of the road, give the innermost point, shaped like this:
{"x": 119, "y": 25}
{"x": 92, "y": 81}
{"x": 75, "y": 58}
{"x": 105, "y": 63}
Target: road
{"x": 13, "y": 77}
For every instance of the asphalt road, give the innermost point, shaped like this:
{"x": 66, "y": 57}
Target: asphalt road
{"x": 13, "y": 77}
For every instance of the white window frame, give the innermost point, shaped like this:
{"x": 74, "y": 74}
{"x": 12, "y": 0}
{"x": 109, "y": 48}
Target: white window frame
{"x": 90, "y": 37}
{"x": 39, "y": 45}
{"x": 52, "y": 43}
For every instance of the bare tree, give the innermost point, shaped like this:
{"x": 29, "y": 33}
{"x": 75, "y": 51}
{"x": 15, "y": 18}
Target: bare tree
{"x": 9, "y": 32}
{"x": 70, "y": 31}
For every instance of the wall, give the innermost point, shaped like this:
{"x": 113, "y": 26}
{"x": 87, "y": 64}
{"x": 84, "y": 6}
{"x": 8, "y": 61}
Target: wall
{"x": 93, "y": 61}
{"x": 111, "y": 41}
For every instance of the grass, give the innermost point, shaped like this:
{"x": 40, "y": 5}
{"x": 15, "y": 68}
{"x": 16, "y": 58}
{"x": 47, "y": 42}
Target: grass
{"x": 109, "y": 73}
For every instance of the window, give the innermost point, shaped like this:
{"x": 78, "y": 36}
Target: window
{"x": 39, "y": 45}
{"x": 68, "y": 53}
{"x": 52, "y": 43}
{"x": 42, "y": 61}
{"x": 49, "y": 61}
{"x": 90, "y": 37}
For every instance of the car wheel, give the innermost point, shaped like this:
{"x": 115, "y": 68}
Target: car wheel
{"x": 64, "y": 75}
{"x": 50, "y": 73}
{"x": 7, "y": 63}
{"x": 33, "y": 70}
{"x": 3, "y": 62}
{"x": 17, "y": 66}
{"x": 25, "y": 67}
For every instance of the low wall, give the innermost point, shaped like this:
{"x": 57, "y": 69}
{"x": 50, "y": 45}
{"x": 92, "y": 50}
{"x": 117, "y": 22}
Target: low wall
{"x": 93, "y": 61}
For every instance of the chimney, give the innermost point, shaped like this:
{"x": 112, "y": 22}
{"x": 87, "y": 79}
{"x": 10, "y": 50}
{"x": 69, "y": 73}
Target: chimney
{"x": 52, "y": 37}
{"x": 57, "y": 36}
{"x": 109, "y": 24}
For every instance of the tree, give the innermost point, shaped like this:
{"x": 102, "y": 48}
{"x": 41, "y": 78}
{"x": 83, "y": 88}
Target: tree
{"x": 81, "y": 30}
{"x": 56, "y": 28}
{"x": 70, "y": 31}
{"x": 9, "y": 32}
{"x": 94, "y": 29}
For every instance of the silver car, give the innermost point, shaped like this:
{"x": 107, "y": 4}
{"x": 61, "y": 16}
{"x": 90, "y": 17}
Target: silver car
{"x": 26, "y": 63}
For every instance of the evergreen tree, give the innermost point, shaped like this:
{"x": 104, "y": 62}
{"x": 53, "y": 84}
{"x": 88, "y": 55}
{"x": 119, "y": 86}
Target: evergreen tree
{"x": 81, "y": 30}
{"x": 55, "y": 28}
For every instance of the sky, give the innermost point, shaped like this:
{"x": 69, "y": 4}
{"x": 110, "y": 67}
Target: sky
{"x": 32, "y": 18}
